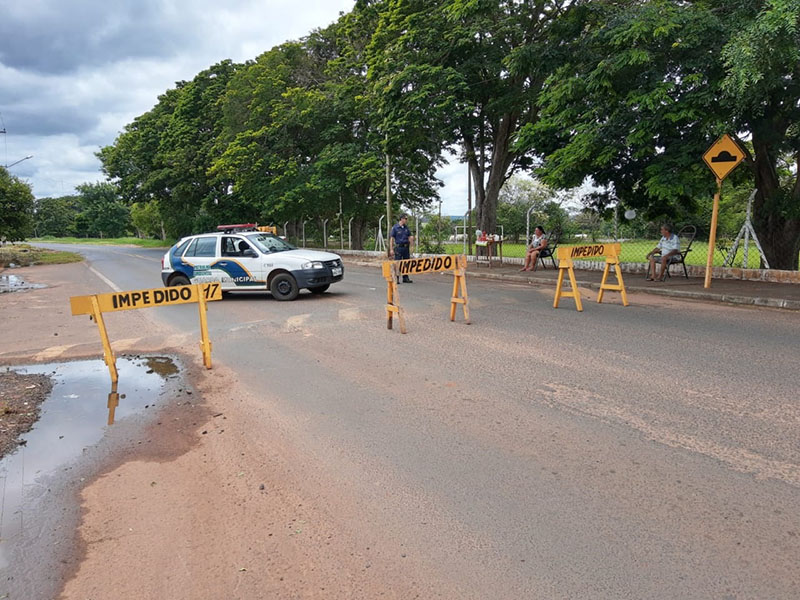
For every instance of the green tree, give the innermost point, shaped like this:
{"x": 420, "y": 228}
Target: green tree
{"x": 55, "y": 216}
{"x": 165, "y": 154}
{"x": 518, "y": 196}
{"x": 650, "y": 85}
{"x": 102, "y": 213}
{"x": 16, "y": 208}
{"x": 147, "y": 220}
{"x": 301, "y": 140}
{"x": 466, "y": 73}
{"x": 134, "y": 161}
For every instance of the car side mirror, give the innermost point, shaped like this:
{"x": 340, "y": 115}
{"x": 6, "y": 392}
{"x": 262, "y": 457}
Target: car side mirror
{"x": 249, "y": 252}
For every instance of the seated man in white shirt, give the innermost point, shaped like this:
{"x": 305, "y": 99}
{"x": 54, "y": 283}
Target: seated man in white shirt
{"x": 668, "y": 248}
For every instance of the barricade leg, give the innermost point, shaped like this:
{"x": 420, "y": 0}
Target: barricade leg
{"x": 618, "y": 287}
{"x": 454, "y": 297}
{"x": 603, "y": 283}
{"x": 622, "y": 291}
{"x": 459, "y": 295}
{"x": 559, "y": 286}
{"x": 389, "y": 302}
{"x": 464, "y": 295}
{"x": 575, "y": 291}
{"x": 108, "y": 354}
{"x": 393, "y": 302}
{"x": 205, "y": 342}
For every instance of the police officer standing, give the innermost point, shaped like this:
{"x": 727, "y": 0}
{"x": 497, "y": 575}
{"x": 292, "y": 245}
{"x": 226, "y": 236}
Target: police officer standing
{"x": 400, "y": 240}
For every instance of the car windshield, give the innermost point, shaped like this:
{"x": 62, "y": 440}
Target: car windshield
{"x": 270, "y": 243}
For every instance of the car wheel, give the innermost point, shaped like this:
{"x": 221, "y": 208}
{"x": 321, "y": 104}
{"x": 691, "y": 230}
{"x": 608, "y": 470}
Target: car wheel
{"x": 319, "y": 289}
{"x": 284, "y": 287}
{"x": 179, "y": 280}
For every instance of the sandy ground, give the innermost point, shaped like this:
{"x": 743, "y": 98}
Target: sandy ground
{"x": 208, "y": 507}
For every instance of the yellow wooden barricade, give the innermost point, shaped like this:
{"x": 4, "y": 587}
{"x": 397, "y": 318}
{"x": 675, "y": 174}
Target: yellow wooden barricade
{"x": 567, "y": 254}
{"x": 393, "y": 270}
{"x": 95, "y": 305}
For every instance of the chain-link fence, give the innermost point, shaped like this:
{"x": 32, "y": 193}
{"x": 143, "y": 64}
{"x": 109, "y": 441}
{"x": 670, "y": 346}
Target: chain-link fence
{"x": 638, "y": 238}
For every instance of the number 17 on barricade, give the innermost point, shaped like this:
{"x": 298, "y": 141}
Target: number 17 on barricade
{"x": 394, "y": 269}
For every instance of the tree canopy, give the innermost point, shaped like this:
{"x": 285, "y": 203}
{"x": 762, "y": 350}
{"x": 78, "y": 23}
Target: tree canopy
{"x": 16, "y": 208}
{"x": 650, "y": 85}
{"x": 629, "y": 93}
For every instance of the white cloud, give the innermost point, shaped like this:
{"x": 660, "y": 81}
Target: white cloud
{"x": 73, "y": 74}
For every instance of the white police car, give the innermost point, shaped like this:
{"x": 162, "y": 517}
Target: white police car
{"x": 242, "y": 258}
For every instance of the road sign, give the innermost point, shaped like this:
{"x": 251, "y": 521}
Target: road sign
{"x": 723, "y": 156}
{"x": 393, "y": 269}
{"x": 566, "y": 254}
{"x": 82, "y": 305}
{"x": 97, "y": 304}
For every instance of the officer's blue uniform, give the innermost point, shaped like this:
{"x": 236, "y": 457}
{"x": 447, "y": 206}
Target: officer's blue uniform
{"x": 401, "y": 233}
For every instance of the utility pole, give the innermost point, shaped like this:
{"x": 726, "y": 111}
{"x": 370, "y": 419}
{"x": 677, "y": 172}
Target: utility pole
{"x": 468, "y": 226}
{"x": 388, "y": 192}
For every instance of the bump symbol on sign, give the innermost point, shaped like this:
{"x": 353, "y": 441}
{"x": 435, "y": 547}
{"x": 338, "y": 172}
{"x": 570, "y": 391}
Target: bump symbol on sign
{"x": 723, "y": 156}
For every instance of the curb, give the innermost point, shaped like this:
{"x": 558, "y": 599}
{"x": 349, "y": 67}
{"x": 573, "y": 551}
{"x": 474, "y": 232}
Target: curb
{"x": 780, "y": 303}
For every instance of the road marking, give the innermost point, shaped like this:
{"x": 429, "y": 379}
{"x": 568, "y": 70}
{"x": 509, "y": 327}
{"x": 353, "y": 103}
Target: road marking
{"x": 126, "y": 343}
{"x": 250, "y": 325}
{"x": 105, "y": 279}
{"x": 740, "y": 459}
{"x": 349, "y": 314}
{"x": 296, "y": 322}
{"x": 52, "y": 352}
{"x": 147, "y": 258}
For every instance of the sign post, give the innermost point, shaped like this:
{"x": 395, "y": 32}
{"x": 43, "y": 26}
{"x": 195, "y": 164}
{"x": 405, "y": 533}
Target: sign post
{"x": 722, "y": 157}
{"x": 97, "y": 304}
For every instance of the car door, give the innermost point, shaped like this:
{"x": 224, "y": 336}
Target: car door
{"x": 240, "y": 264}
{"x": 200, "y": 255}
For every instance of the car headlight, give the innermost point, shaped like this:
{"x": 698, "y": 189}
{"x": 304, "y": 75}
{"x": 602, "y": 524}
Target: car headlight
{"x": 313, "y": 265}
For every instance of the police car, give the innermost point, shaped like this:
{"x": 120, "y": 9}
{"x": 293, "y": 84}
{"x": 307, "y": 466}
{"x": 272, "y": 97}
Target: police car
{"x": 242, "y": 258}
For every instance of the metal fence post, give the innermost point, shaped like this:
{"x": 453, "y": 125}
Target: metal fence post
{"x": 350, "y": 233}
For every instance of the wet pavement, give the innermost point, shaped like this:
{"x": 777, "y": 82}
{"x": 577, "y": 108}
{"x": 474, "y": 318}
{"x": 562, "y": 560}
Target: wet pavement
{"x": 15, "y": 283}
{"x": 74, "y": 420}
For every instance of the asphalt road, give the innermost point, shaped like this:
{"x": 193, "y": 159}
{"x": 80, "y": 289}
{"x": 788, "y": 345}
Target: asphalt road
{"x": 649, "y": 451}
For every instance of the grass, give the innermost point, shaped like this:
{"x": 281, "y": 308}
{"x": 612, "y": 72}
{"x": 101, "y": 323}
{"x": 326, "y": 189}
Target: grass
{"x": 123, "y": 241}
{"x": 25, "y": 255}
{"x": 635, "y": 251}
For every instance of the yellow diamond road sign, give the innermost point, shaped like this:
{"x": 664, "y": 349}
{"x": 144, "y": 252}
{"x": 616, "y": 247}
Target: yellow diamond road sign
{"x": 724, "y": 156}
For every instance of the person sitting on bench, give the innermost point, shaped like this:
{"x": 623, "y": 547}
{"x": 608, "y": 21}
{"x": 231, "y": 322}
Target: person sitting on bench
{"x": 668, "y": 247}
{"x": 538, "y": 243}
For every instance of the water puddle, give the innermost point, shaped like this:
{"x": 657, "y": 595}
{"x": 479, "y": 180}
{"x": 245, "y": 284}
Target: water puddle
{"x": 15, "y": 283}
{"x": 73, "y": 419}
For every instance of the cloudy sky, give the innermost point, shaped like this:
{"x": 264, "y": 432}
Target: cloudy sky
{"x": 73, "y": 73}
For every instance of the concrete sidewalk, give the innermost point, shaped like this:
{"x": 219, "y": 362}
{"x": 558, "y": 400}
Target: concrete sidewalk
{"x": 731, "y": 291}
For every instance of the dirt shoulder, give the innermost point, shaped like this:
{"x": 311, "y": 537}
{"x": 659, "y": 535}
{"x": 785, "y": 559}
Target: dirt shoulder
{"x": 20, "y": 398}
{"x": 212, "y": 500}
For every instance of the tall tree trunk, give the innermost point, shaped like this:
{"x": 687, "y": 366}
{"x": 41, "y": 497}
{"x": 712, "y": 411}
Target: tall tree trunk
{"x": 358, "y": 233}
{"x": 779, "y": 235}
{"x": 501, "y": 161}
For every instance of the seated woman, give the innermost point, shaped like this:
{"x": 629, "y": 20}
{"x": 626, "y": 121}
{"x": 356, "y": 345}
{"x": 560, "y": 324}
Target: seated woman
{"x": 538, "y": 243}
